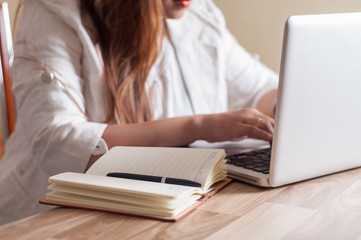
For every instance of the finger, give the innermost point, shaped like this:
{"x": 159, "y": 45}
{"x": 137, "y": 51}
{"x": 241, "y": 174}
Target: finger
{"x": 255, "y": 132}
{"x": 270, "y": 127}
{"x": 239, "y": 139}
{"x": 264, "y": 124}
{"x": 251, "y": 116}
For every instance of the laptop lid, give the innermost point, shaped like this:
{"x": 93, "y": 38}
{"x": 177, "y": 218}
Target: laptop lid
{"x": 318, "y": 118}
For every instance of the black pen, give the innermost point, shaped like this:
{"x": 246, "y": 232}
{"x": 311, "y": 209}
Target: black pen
{"x": 149, "y": 178}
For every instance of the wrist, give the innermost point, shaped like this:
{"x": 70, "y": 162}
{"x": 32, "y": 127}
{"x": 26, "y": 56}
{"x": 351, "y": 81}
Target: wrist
{"x": 198, "y": 125}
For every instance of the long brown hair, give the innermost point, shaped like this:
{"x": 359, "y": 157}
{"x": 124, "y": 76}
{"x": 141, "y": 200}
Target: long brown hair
{"x": 129, "y": 33}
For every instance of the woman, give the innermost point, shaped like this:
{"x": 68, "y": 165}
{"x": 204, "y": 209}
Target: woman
{"x": 89, "y": 75}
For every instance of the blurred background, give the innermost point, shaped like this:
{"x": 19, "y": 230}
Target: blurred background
{"x": 258, "y": 24}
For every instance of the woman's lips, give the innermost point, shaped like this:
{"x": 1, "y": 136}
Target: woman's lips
{"x": 184, "y": 3}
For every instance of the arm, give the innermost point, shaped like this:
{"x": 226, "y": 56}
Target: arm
{"x": 57, "y": 134}
{"x": 181, "y": 131}
{"x": 267, "y": 104}
{"x": 250, "y": 83}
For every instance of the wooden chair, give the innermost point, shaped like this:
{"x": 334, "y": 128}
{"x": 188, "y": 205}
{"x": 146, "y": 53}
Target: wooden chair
{"x": 6, "y": 57}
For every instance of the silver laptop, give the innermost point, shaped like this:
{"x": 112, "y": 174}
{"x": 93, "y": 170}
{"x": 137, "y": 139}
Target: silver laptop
{"x": 318, "y": 118}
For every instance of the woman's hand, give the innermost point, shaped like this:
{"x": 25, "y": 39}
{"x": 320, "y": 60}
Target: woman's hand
{"x": 236, "y": 125}
{"x": 181, "y": 131}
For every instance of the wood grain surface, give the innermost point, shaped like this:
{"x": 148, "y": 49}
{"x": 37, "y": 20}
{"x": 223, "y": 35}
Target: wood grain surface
{"x": 323, "y": 208}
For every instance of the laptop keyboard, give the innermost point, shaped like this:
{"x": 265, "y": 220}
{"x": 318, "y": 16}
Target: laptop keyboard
{"x": 256, "y": 160}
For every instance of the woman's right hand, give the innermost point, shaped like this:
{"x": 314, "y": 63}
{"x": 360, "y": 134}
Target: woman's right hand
{"x": 236, "y": 125}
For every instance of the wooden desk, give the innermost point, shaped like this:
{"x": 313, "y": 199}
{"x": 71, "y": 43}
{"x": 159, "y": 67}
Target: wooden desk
{"x": 323, "y": 208}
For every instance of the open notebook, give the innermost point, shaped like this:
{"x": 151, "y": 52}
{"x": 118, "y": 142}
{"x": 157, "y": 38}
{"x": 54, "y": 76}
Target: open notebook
{"x": 153, "y": 182}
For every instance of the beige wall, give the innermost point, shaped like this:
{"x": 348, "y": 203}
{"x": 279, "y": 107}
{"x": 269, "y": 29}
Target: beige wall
{"x": 12, "y": 9}
{"x": 258, "y": 24}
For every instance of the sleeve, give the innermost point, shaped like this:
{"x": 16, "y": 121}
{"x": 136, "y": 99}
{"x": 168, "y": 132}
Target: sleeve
{"x": 247, "y": 78}
{"x": 51, "y": 109}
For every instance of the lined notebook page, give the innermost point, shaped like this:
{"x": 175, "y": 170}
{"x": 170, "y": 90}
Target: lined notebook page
{"x": 185, "y": 163}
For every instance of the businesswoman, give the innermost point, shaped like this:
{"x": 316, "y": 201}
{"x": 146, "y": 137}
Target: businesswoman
{"x": 89, "y": 75}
